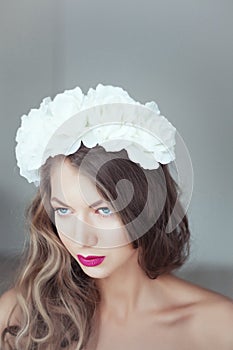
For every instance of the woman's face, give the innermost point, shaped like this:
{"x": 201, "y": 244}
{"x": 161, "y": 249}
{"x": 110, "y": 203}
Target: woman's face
{"x": 87, "y": 224}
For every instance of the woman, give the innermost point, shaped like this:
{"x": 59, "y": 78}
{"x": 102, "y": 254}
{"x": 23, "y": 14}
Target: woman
{"x": 97, "y": 273}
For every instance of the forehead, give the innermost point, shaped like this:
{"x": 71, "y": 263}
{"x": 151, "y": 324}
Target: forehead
{"x": 71, "y": 185}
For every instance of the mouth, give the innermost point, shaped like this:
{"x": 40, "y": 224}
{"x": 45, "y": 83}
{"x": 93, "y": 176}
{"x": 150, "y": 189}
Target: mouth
{"x": 88, "y": 257}
{"x": 91, "y": 260}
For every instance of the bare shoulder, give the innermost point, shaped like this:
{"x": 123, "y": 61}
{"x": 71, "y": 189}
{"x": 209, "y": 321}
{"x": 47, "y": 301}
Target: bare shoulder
{"x": 8, "y": 301}
{"x": 211, "y": 317}
{"x": 213, "y": 321}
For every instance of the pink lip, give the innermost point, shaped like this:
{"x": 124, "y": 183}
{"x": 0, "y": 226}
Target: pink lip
{"x": 91, "y": 260}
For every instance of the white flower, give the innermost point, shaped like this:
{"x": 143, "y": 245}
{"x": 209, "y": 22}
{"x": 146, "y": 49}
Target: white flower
{"x": 107, "y": 116}
{"x": 105, "y": 95}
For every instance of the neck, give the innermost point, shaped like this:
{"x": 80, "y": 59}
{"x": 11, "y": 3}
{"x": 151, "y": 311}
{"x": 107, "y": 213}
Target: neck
{"x": 126, "y": 292}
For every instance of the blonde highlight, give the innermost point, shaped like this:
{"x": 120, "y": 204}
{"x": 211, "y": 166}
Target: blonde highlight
{"x": 59, "y": 303}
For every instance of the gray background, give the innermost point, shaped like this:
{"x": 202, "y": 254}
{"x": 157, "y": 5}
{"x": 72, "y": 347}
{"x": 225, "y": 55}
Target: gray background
{"x": 178, "y": 53}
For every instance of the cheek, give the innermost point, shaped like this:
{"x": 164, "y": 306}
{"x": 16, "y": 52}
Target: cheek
{"x": 65, "y": 242}
{"x": 124, "y": 253}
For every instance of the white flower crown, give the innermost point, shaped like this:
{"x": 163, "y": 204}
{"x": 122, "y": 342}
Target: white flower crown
{"x": 107, "y": 116}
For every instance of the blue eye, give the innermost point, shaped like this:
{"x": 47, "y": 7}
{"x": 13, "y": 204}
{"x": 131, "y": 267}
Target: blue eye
{"x": 106, "y": 211}
{"x": 62, "y": 211}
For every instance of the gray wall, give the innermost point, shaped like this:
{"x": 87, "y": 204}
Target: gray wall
{"x": 178, "y": 53}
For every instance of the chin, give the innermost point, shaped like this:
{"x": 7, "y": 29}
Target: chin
{"x": 95, "y": 273}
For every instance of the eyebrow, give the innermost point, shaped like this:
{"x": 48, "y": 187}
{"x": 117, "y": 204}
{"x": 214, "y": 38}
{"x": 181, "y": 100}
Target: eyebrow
{"x": 93, "y": 205}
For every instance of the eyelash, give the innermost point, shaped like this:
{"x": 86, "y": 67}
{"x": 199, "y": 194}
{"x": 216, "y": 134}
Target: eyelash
{"x": 57, "y": 210}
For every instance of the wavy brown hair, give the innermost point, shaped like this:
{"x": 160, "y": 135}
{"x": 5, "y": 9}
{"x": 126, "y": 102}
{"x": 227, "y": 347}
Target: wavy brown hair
{"x": 57, "y": 300}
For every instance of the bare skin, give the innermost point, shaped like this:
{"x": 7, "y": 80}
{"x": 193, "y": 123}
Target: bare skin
{"x": 136, "y": 312}
{"x": 184, "y": 317}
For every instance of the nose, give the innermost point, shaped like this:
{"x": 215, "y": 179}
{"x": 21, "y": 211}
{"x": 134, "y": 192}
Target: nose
{"x": 85, "y": 233}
